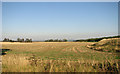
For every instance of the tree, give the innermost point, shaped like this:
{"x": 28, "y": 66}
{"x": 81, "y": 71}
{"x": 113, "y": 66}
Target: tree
{"x": 59, "y": 40}
{"x": 6, "y": 40}
{"x": 64, "y": 40}
{"x": 22, "y": 40}
{"x": 46, "y": 40}
{"x": 51, "y": 40}
{"x": 56, "y": 40}
{"x": 18, "y": 39}
{"x": 11, "y": 40}
{"x": 27, "y": 40}
{"x": 30, "y": 40}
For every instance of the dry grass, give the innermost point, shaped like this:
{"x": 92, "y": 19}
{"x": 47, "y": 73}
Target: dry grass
{"x": 14, "y": 43}
{"x": 56, "y": 57}
{"x": 15, "y": 63}
{"x": 19, "y": 63}
{"x": 109, "y": 45}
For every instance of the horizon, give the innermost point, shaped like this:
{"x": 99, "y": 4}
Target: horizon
{"x": 59, "y": 39}
{"x": 59, "y": 20}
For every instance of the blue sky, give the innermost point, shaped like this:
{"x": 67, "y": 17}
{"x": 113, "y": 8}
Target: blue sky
{"x": 60, "y": 0}
{"x": 59, "y": 20}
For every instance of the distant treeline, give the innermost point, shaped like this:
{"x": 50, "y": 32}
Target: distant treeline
{"x": 56, "y": 40}
{"x": 18, "y": 40}
{"x": 95, "y": 39}
{"x": 59, "y": 40}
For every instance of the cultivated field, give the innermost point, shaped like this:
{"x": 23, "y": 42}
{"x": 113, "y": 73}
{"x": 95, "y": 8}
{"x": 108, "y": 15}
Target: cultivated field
{"x": 57, "y": 57}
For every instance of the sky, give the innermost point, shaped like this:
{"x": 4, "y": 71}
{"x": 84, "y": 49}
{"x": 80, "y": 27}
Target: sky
{"x": 60, "y": 0}
{"x": 0, "y": 21}
{"x": 59, "y": 20}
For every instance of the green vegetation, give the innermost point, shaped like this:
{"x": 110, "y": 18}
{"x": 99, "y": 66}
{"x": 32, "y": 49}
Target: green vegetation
{"x": 56, "y": 40}
{"x": 107, "y": 45}
{"x": 95, "y": 39}
{"x": 57, "y": 57}
{"x": 18, "y": 40}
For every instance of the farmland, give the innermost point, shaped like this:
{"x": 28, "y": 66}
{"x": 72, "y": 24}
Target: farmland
{"x": 56, "y": 57}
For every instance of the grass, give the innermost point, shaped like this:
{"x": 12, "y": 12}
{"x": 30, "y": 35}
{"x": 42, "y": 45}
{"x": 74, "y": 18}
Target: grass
{"x": 107, "y": 45}
{"x": 57, "y": 57}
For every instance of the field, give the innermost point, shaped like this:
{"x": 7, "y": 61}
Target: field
{"x": 57, "y": 57}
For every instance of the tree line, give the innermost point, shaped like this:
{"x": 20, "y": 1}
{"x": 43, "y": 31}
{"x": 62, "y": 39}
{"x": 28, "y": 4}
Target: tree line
{"x": 56, "y": 40}
{"x": 18, "y": 40}
{"x": 59, "y": 40}
{"x": 96, "y": 39}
